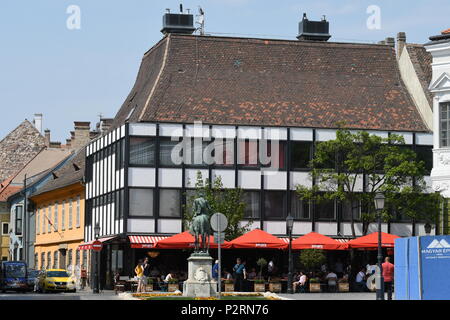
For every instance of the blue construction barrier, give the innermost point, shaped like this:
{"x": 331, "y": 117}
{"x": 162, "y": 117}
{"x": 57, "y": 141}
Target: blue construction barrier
{"x": 422, "y": 267}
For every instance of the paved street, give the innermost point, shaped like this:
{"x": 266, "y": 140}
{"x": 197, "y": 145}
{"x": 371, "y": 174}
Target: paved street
{"x": 331, "y": 296}
{"x": 80, "y": 295}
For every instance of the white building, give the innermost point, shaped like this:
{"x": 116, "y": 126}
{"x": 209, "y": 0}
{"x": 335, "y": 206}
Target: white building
{"x": 439, "y": 47}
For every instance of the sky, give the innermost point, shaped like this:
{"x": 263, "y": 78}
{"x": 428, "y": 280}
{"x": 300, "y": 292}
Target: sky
{"x": 74, "y": 67}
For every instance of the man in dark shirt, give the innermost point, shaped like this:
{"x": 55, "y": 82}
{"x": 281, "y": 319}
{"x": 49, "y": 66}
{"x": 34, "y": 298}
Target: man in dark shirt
{"x": 239, "y": 275}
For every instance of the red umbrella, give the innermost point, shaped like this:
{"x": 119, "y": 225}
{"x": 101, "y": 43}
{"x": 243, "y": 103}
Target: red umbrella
{"x": 185, "y": 240}
{"x": 370, "y": 241}
{"x": 258, "y": 239}
{"x": 314, "y": 240}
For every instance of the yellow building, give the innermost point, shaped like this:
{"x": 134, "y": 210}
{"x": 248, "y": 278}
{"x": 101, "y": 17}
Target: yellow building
{"x": 59, "y": 209}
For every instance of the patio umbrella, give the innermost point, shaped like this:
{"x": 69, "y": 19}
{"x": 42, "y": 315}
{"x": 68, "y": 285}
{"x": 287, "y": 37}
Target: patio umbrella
{"x": 258, "y": 239}
{"x": 185, "y": 240}
{"x": 314, "y": 240}
{"x": 370, "y": 241}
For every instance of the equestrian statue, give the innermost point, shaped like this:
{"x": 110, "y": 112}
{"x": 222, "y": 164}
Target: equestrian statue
{"x": 200, "y": 227}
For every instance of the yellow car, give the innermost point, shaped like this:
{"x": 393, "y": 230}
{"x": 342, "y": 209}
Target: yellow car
{"x": 56, "y": 280}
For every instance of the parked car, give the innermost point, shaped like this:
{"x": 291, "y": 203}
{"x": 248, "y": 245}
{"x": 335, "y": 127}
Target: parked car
{"x": 13, "y": 276}
{"x": 31, "y": 279}
{"x": 56, "y": 280}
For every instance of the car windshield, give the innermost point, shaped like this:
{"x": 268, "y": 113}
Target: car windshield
{"x": 57, "y": 274}
{"x": 15, "y": 270}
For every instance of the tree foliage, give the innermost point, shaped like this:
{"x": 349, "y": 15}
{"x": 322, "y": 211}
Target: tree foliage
{"x": 226, "y": 201}
{"x": 311, "y": 259}
{"x": 388, "y": 167}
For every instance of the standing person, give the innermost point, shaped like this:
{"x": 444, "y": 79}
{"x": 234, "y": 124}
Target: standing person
{"x": 332, "y": 281}
{"x": 238, "y": 275}
{"x": 139, "y": 270}
{"x": 146, "y": 269}
{"x": 215, "y": 270}
{"x": 271, "y": 268}
{"x": 388, "y": 275}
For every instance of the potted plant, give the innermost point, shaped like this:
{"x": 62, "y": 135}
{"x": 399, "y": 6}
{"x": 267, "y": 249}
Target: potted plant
{"x": 275, "y": 285}
{"x": 343, "y": 285}
{"x": 173, "y": 285}
{"x": 229, "y": 285}
{"x": 261, "y": 263}
{"x": 314, "y": 285}
{"x": 149, "y": 285}
{"x": 259, "y": 285}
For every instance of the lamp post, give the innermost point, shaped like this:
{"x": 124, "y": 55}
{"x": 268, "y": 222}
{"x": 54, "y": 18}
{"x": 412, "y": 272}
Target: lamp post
{"x": 379, "y": 206}
{"x": 96, "y": 288}
{"x": 289, "y": 226}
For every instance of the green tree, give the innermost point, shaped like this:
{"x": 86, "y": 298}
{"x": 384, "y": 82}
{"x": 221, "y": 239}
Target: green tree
{"x": 223, "y": 200}
{"x": 311, "y": 259}
{"x": 388, "y": 166}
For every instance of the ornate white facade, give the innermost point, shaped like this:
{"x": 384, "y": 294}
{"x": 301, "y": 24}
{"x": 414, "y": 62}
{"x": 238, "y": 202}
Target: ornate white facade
{"x": 440, "y": 88}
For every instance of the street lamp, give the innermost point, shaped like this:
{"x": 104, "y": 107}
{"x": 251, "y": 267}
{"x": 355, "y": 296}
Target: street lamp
{"x": 96, "y": 288}
{"x": 289, "y": 226}
{"x": 379, "y": 206}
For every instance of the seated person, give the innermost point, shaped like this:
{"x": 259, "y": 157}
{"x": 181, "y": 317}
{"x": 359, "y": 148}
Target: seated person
{"x": 332, "y": 281}
{"x": 360, "y": 281}
{"x": 301, "y": 283}
{"x": 154, "y": 272}
{"x": 252, "y": 274}
{"x": 344, "y": 278}
{"x": 227, "y": 275}
{"x": 169, "y": 277}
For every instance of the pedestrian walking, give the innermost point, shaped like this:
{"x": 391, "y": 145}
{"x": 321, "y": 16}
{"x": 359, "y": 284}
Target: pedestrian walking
{"x": 388, "y": 275}
{"x": 238, "y": 275}
{"x": 139, "y": 270}
{"x": 215, "y": 270}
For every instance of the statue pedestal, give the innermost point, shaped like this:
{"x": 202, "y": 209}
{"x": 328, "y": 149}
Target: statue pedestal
{"x": 200, "y": 282}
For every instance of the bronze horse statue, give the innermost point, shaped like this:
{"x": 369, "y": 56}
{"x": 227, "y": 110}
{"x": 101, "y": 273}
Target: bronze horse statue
{"x": 200, "y": 227}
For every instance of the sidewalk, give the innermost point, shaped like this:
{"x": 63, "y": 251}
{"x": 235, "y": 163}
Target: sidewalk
{"x": 332, "y": 296}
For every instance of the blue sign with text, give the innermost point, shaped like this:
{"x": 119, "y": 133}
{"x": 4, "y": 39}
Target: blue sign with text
{"x": 435, "y": 267}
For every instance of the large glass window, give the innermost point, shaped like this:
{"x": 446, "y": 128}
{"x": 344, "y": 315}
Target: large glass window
{"x": 169, "y": 203}
{"x": 351, "y": 209}
{"x": 166, "y": 147}
{"x": 19, "y": 219}
{"x": 55, "y": 260}
{"x": 42, "y": 261}
{"x": 5, "y": 228}
{"x": 248, "y": 153}
{"x": 425, "y": 154}
{"x": 299, "y": 208}
{"x": 325, "y": 210}
{"x": 224, "y": 152}
{"x": 194, "y": 152}
{"x": 278, "y": 159}
{"x": 252, "y": 204}
{"x": 141, "y": 202}
{"x": 444, "y": 130}
{"x": 142, "y": 151}
{"x": 275, "y": 204}
{"x": 301, "y": 154}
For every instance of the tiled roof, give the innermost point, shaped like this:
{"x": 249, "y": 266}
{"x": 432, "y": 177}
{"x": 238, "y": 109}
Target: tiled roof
{"x": 70, "y": 173}
{"x": 18, "y": 148}
{"x": 222, "y": 80}
{"x": 422, "y": 60}
{"x": 6, "y": 189}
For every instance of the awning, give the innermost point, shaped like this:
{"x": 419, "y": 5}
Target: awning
{"x": 258, "y": 239}
{"x": 314, "y": 240}
{"x": 88, "y": 245}
{"x": 370, "y": 241}
{"x": 145, "y": 242}
{"x": 185, "y": 240}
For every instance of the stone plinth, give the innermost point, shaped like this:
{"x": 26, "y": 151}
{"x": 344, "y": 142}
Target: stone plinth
{"x": 200, "y": 282}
